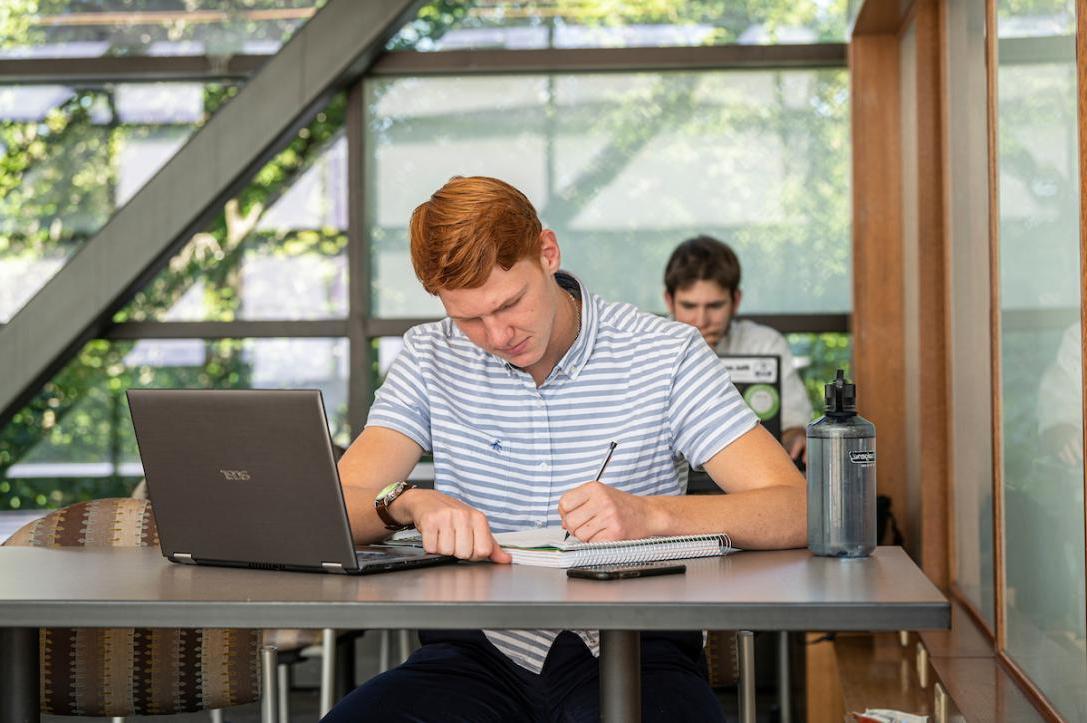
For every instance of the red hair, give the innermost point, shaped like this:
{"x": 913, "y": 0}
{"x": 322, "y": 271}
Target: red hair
{"x": 469, "y": 226}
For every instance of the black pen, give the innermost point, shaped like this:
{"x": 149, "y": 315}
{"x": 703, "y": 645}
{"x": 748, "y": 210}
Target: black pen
{"x": 599, "y": 474}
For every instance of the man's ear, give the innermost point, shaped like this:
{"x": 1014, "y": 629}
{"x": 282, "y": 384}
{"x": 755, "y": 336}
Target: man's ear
{"x": 737, "y": 295}
{"x": 670, "y": 303}
{"x": 550, "y": 255}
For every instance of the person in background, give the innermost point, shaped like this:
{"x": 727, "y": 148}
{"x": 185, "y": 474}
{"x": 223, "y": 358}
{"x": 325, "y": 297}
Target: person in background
{"x": 702, "y": 288}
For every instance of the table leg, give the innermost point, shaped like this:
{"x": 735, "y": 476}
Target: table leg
{"x": 747, "y": 676}
{"x": 620, "y": 676}
{"x": 784, "y": 691}
{"x": 19, "y": 691}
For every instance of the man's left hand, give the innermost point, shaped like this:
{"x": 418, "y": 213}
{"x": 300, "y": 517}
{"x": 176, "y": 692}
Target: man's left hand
{"x": 795, "y": 442}
{"x": 595, "y": 512}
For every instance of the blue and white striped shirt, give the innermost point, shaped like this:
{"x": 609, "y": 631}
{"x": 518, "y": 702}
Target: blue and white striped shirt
{"x": 512, "y": 449}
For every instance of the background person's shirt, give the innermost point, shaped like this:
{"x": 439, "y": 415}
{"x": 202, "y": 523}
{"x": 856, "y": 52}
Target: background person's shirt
{"x": 747, "y": 337}
{"x": 511, "y": 450}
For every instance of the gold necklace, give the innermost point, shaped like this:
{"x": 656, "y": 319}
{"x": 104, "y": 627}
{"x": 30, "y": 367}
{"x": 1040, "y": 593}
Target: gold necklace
{"x": 577, "y": 313}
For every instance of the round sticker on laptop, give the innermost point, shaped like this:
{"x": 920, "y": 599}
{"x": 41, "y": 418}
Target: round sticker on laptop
{"x": 763, "y": 399}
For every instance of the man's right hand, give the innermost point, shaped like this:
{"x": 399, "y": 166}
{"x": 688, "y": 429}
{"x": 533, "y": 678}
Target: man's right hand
{"x": 448, "y": 526}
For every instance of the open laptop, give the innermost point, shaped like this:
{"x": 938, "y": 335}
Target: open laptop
{"x": 757, "y": 377}
{"x": 248, "y": 478}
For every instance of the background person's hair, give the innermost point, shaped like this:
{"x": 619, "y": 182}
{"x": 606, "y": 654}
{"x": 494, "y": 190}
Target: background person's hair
{"x": 702, "y": 258}
{"x": 469, "y": 226}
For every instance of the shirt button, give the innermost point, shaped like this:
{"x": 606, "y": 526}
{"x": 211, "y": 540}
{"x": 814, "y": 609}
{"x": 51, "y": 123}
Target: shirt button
{"x": 540, "y": 523}
{"x": 542, "y": 465}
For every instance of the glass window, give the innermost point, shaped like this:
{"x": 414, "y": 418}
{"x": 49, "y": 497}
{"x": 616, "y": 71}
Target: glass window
{"x": 624, "y": 167}
{"x": 1041, "y": 358}
{"x": 70, "y": 156}
{"x": 971, "y": 380}
{"x": 278, "y": 251}
{"x": 75, "y": 440}
{"x": 81, "y": 29}
{"x": 443, "y": 25}
{"x": 817, "y": 358}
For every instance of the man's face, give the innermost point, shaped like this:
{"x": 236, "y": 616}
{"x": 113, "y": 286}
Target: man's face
{"x": 513, "y": 314}
{"x": 706, "y": 305}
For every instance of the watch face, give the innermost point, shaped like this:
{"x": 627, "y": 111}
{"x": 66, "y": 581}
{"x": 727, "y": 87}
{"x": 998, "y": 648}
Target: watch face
{"x": 387, "y": 490}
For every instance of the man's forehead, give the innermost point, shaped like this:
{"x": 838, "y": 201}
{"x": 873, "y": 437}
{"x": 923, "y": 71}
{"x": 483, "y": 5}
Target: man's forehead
{"x": 501, "y": 287}
{"x": 702, "y": 291}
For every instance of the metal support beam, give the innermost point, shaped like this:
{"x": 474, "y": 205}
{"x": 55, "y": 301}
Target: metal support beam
{"x": 597, "y": 60}
{"x": 359, "y": 384}
{"x": 326, "y": 55}
{"x": 139, "y": 69}
{"x": 785, "y": 323}
{"x": 226, "y": 329}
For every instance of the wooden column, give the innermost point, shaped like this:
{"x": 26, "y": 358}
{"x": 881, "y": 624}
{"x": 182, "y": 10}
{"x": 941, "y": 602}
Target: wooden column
{"x": 900, "y": 266}
{"x": 934, "y": 302}
{"x": 878, "y": 322}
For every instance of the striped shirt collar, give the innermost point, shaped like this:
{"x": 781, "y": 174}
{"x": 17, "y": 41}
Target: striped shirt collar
{"x": 573, "y": 361}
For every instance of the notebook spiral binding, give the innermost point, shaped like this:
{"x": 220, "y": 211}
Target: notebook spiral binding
{"x": 650, "y": 549}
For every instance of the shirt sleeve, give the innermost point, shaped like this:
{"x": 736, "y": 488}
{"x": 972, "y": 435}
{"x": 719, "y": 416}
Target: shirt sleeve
{"x": 705, "y": 412}
{"x": 403, "y": 403}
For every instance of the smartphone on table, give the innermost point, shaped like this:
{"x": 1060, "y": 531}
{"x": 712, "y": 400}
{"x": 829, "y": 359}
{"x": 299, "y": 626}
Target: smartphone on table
{"x": 623, "y": 571}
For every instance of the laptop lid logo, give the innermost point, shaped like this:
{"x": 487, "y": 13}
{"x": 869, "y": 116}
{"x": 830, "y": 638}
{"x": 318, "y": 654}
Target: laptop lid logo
{"x": 235, "y": 474}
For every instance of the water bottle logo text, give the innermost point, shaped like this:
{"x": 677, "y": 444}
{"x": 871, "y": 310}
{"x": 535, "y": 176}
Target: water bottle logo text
{"x": 863, "y": 457}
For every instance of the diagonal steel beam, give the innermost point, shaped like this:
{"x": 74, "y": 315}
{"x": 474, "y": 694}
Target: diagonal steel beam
{"x": 329, "y": 52}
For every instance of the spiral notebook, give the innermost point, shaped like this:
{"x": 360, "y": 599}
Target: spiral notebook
{"x": 547, "y": 548}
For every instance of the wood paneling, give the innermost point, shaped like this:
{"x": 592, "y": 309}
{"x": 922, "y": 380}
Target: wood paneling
{"x": 933, "y": 301}
{"x": 994, "y": 329}
{"x": 824, "y": 692}
{"x": 878, "y": 324}
{"x": 878, "y": 672}
{"x": 983, "y": 691}
{"x": 881, "y": 17}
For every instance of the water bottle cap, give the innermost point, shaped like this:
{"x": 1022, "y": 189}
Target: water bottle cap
{"x": 840, "y": 398}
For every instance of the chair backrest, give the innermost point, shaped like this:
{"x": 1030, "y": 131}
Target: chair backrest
{"x": 134, "y": 671}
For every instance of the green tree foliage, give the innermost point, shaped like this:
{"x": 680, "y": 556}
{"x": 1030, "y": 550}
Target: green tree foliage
{"x": 81, "y": 413}
{"x": 726, "y": 20}
{"x": 58, "y": 178}
{"x": 224, "y": 32}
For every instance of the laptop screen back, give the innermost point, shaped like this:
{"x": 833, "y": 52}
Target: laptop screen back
{"x": 243, "y": 476}
{"x": 758, "y": 379}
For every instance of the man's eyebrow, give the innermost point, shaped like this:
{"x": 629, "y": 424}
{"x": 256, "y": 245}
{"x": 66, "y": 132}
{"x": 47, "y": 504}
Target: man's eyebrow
{"x": 508, "y": 302}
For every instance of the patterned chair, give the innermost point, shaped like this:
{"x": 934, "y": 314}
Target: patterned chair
{"x": 134, "y": 671}
{"x": 293, "y": 645}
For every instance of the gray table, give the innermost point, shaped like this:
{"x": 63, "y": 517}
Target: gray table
{"x": 782, "y": 590}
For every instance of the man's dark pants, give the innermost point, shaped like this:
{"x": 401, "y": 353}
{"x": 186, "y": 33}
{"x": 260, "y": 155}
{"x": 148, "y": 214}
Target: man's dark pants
{"x": 461, "y": 676}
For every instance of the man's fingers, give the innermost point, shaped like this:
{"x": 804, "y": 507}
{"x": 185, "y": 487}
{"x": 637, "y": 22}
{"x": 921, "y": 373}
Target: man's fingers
{"x": 498, "y": 554}
{"x": 463, "y": 548}
{"x": 482, "y": 538}
{"x": 445, "y": 542}
{"x": 578, "y": 518}
{"x": 576, "y": 497}
{"x": 593, "y": 531}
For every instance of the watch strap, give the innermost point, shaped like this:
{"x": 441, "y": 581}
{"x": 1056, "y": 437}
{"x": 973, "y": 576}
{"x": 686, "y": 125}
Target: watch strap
{"x": 381, "y": 504}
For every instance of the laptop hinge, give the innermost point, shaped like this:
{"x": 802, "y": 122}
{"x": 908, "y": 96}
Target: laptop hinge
{"x": 336, "y": 567}
{"x": 184, "y": 558}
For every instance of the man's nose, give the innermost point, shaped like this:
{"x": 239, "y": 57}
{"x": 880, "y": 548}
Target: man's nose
{"x": 498, "y": 333}
{"x": 701, "y": 317}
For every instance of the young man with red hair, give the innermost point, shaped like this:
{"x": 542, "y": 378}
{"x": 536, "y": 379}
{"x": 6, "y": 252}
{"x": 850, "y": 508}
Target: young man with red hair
{"x": 518, "y": 393}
